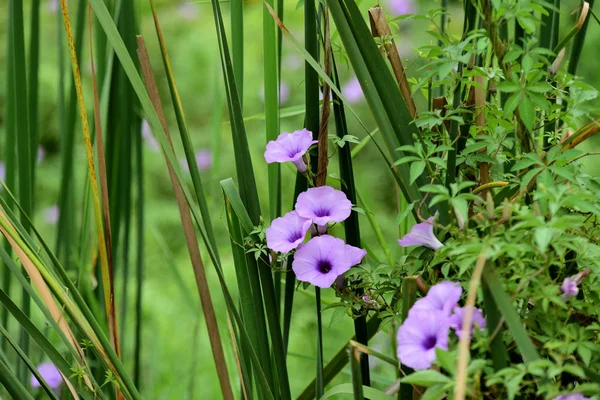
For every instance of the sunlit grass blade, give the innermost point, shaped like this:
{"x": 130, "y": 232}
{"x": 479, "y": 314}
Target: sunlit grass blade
{"x": 33, "y": 83}
{"x": 190, "y": 234}
{"x": 11, "y": 383}
{"x": 237, "y": 44}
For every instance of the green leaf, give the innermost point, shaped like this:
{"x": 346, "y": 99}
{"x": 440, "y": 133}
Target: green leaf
{"x": 527, "y": 112}
{"x": 426, "y": 378}
{"x": 416, "y": 169}
{"x": 543, "y": 236}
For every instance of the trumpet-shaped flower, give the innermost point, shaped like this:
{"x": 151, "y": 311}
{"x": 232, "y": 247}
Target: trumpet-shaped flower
{"x": 323, "y": 204}
{"x": 442, "y": 297}
{"x": 421, "y": 235}
{"x": 456, "y": 320}
{"x": 287, "y": 233}
{"x": 290, "y": 147}
{"x": 50, "y": 373}
{"x": 569, "y": 287}
{"x": 323, "y": 259}
{"x": 418, "y": 337}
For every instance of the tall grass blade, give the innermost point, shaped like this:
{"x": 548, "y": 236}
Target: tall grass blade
{"x": 493, "y": 318}
{"x": 190, "y": 234}
{"x": 11, "y": 383}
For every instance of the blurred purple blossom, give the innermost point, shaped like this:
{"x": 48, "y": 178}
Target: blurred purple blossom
{"x": 400, "y": 7}
{"x": 570, "y": 286}
{"x": 352, "y": 91}
{"x": 287, "y": 233}
{"x": 50, "y": 373}
{"x": 41, "y": 154}
{"x": 149, "y": 137}
{"x": 323, "y": 259}
{"x": 456, "y": 320}
{"x": 53, "y": 6}
{"x": 418, "y": 337}
{"x": 203, "y": 160}
{"x": 442, "y": 297}
{"x": 2, "y": 171}
{"x": 421, "y": 235}
{"x": 573, "y": 396}
{"x": 51, "y": 214}
{"x": 290, "y": 147}
{"x": 284, "y": 93}
{"x": 187, "y": 10}
{"x": 322, "y": 205}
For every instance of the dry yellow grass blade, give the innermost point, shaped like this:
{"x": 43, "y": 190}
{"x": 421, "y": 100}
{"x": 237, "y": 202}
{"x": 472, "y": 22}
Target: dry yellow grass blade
{"x": 107, "y": 275}
{"x": 46, "y": 295}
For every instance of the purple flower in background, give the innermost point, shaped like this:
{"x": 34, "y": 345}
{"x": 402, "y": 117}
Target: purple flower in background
{"x": 284, "y": 93}
{"x": 51, "y": 214}
{"x": 573, "y": 396}
{"x": 53, "y": 5}
{"x": 323, "y": 204}
{"x": 352, "y": 91}
{"x": 290, "y": 147}
{"x": 418, "y": 337}
{"x": 456, "y": 320}
{"x": 188, "y": 11}
{"x": 569, "y": 287}
{"x": 41, "y": 154}
{"x": 400, "y": 7}
{"x": 323, "y": 259}
{"x": 203, "y": 160}
{"x": 442, "y": 297}
{"x": 421, "y": 235}
{"x": 50, "y": 373}
{"x": 2, "y": 172}
{"x": 287, "y": 233}
{"x": 149, "y": 137}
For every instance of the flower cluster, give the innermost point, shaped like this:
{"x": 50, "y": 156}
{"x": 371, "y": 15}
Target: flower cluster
{"x": 428, "y": 325}
{"x": 324, "y": 257}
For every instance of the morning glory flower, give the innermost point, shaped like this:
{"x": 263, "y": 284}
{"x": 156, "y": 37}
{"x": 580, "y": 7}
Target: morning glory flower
{"x": 287, "y": 233}
{"x": 442, "y": 297}
{"x": 50, "y": 373}
{"x": 2, "y": 172}
{"x": 322, "y": 205}
{"x": 569, "y": 287}
{"x": 352, "y": 91}
{"x": 456, "y": 320}
{"x": 323, "y": 259}
{"x": 51, "y": 214}
{"x": 573, "y": 396}
{"x": 290, "y": 147}
{"x": 203, "y": 160}
{"x": 421, "y": 235}
{"x": 418, "y": 337}
{"x": 401, "y": 7}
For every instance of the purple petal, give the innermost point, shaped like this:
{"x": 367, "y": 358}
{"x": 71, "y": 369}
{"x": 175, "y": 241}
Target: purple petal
{"x": 400, "y": 7}
{"x": 149, "y": 137}
{"x": 50, "y": 373}
{"x": 421, "y": 235}
{"x": 287, "y": 233}
{"x": 323, "y": 204}
{"x": 2, "y": 171}
{"x": 321, "y": 261}
{"x": 573, "y": 396}
{"x": 51, "y": 214}
{"x": 352, "y": 91}
{"x": 456, "y": 320}
{"x": 354, "y": 255}
{"x": 289, "y": 147}
{"x": 418, "y": 337}
{"x": 442, "y": 297}
{"x": 569, "y": 287}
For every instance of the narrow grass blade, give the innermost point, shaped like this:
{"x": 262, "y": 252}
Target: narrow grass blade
{"x": 504, "y": 304}
{"x": 348, "y": 388}
{"x": 319, "y": 384}
{"x": 12, "y": 384}
{"x": 492, "y": 316}
{"x": 357, "y": 387}
{"x": 237, "y": 44}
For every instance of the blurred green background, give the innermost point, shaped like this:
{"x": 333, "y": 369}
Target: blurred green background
{"x": 177, "y": 360}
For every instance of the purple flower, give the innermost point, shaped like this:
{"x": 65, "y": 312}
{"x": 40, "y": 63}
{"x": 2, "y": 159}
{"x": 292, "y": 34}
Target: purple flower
{"x": 352, "y": 91}
{"x": 50, "y": 373}
{"x": 323, "y": 259}
{"x": 284, "y": 93}
{"x": 203, "y": 160}
{"x": 573, "y": 396}
{"x": 287, "y": 233}
{"x": 290, "y": 147}
{"x": 569, "y": 287}
{"x": 53, "y": 5}
{"x": 400, "y": 7}
{"x": 456, "y": 320}
{"x": 2, "y": 172}
{"x": 188, "y": 11}
{"x": 418, "y": 337}
{"x": 149, "y": 137}
{"x": 442, "y": 297}
{"x": 41, "y": 154}
{"x": 323, "y": 204}
{"x": 421, "y": 235}
{"x": 51, "y": 214}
